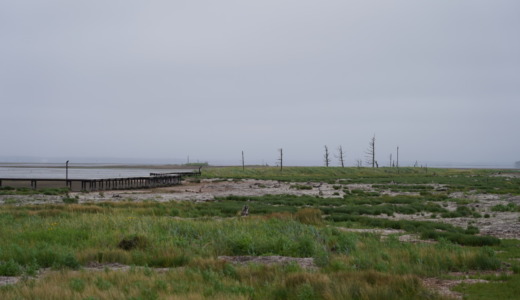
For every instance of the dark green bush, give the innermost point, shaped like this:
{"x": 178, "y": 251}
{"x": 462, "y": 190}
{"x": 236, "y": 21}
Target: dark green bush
{"x": 10, "y": 268}
{"x": 472, "y": 230}
{"x": 485, "y": 260}
{"x": 68, "y": 261}
{"x": 69, "y": 200}
{"x": 461, "y": 239}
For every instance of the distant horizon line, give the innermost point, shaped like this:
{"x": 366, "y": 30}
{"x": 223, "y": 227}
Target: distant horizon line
{"x": 226, "y": 162}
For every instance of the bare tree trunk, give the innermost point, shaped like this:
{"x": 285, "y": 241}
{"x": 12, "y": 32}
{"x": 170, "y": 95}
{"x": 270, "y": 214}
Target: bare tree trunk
{"x": 371, "y": 152}
{"x": 359, "y": 163}
{"x": 326, "y": 156}
{"x": 243, "y": 164}
{"x": 397, "y": 164}
{"x": 281, "y": 159}
{"x": 398, "y": 156}
{"x": 341, "y": 156}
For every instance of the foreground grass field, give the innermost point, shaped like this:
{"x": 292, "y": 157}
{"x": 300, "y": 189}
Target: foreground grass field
{"x": 173, "y": 248}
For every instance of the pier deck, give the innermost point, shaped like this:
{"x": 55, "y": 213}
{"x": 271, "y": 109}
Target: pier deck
{"x": 102, "y": 184}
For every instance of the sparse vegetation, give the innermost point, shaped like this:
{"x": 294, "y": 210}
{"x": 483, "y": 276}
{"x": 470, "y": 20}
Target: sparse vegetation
{"x": 68, "y": 199}
{"x": 512, "y": 207}
{"x": 301, "y": 187}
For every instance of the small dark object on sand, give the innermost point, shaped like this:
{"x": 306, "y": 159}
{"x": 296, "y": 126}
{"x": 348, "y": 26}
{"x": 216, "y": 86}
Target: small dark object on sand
{"x": 133, "y": 242}
{"x": 245, "y": 211}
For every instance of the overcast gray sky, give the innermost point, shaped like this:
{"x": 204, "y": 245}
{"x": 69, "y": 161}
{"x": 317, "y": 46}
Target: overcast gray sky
{"x": 208, "y": 79}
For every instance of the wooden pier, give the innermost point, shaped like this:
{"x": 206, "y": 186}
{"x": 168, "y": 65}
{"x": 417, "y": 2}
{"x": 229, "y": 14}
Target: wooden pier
{"x": 89, "y": 185}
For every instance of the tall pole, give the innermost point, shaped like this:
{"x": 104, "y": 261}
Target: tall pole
{"x": 243, "y": 166}
{"x": 67, "y": 171}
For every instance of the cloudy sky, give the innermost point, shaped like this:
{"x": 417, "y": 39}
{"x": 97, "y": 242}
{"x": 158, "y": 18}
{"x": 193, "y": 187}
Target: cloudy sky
{"x": 167, "y": 79}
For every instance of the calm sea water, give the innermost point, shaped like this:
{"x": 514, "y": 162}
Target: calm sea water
{"x": 41, "y": 172}
{"x": 93, "y": 171}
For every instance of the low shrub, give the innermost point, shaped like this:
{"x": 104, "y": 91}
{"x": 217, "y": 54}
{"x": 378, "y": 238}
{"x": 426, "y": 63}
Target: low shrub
{"x": 10, "y": 268}
{"x": 69, "y": 200}
{"x": 472, "y": 230}
{"x": 77, "y": 285}
{"x": 133, "y": 242}
{"x": 484, "y": 260}
{"x": 462, "y": 239}
{"x": 461, "y": 211}
{"x": 511, "y": 207}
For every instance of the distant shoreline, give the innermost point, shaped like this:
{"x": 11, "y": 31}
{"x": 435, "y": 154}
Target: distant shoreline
{"x": 184, "y": 166}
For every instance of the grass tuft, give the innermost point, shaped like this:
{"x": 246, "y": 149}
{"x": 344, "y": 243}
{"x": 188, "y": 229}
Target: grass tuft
{"x": 310, "y": 216}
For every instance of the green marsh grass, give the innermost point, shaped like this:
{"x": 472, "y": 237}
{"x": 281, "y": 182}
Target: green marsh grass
{"x": 463, "y": 180}
{"x": 188, "y": 237}
{"x": 7, "y": 190}
{"x": 505, "y": 288}
{"x": 89, "y": 233}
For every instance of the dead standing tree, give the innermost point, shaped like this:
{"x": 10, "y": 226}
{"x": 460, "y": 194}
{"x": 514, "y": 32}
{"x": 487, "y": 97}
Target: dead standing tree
{"x": 359, "y": 163}
{"x": 326, "y": 157}
{"x": 243, "y": 162}
{"x": 281, "y": 159}
{"x": 398, "y": 157}
{"x": 341, "y": 156}
{"x": 371, "y": 153}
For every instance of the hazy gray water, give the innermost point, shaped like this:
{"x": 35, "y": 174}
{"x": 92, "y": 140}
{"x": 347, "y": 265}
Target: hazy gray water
{"x": 78, "y": 173}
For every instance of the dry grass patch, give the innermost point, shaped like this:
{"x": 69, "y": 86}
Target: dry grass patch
{"x": 312, "y": 216}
